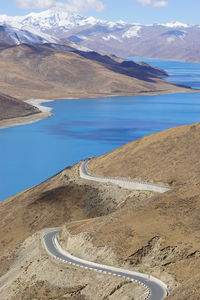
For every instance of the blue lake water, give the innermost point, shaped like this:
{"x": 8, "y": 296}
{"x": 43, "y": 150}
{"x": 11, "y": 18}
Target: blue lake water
{"x": 32, "y": 153}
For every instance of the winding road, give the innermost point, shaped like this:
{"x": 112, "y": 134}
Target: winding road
{"x": 155, "y": 288}
{"x": 122, "y": 182}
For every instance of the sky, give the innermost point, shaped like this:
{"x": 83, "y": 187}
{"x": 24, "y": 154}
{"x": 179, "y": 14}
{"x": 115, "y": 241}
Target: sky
{"x": 142, "y": 11}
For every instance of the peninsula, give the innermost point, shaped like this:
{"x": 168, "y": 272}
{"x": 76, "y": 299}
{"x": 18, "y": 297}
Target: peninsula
{"x": 44, "y": 71}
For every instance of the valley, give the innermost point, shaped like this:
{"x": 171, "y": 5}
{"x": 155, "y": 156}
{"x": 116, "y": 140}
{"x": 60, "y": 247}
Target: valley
{"x": 100, "y": 187}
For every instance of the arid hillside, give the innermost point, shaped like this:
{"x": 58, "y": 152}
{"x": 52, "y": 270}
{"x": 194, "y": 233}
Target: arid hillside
{"x": 25, "y": 269}
{"x": 158, "y": 234}
{"x": 170, "y": 157}
{"x": 46, "y": 72}
{"x": 11, "y": 108}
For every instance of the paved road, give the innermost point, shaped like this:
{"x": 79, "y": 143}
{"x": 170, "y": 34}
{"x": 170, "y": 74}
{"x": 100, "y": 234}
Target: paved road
{"x": 123, "y": 182}
{"x": 156, "y": 290}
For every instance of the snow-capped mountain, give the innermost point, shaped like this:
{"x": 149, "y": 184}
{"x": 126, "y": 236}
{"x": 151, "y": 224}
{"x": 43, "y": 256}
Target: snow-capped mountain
{"x": 49, "y": 20}
{"x": 55, "y": 18}
{"x": 174, "y": 40}
{"x": 59, "y": 23}
{"x": 16, "y": 34}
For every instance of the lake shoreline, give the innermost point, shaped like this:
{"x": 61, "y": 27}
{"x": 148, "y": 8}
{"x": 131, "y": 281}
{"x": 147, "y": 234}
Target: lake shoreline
{"x": 23, "y": 120}
{"x": 46, "y": 112}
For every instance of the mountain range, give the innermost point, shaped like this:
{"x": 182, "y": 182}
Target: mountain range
{"x": 175, "y": 41}
{"x": 54, "y": 54}
{"x": 44, "y": 64}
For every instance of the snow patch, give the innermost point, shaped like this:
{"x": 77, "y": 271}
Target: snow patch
{"x": 83, "y": 37}
{"x": 175, "y": 24}
{"x": 171, "y": 39}
{"x": 109, "y": 37}
{"x": 132, "y": 32}
{"x": 81, "y": 48}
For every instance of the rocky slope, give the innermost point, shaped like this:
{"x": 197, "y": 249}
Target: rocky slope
{"x": 156, "y": 234}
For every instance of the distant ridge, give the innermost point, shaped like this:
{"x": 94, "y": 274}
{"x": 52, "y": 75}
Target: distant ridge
{"x": 59, "y": 71}
{"x": 173, "y": 40}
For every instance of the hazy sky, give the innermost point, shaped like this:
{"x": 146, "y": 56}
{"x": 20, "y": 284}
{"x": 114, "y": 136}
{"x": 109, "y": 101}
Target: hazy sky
{"x": 143, "y": 11}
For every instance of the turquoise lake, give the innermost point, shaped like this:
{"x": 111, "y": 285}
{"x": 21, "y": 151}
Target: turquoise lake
{"x": 29, "y": 154}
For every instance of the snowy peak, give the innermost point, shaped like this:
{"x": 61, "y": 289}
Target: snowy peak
{"x": 55, "y": 20}
{"x": 50, "y": 19}
{"x": 176, "y": 24}
{"x": 59, "y": 26}
{"x": 38, "y": 23}
{"x": 132, "y": 32}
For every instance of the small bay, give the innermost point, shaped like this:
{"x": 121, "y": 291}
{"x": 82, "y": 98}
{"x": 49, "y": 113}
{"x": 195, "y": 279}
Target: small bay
{"x": 87, "y": 127}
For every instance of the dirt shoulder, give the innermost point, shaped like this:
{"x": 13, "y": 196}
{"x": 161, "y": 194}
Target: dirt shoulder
{"x": 34, "y": 275}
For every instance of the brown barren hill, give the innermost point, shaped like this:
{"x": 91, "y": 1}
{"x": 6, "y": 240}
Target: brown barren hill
{"x": 171, "y": 157}
{"x": 157, "y": 234}
{"x": 45, "y": 72}
{"x": 14, "y": 108}
{"x": 162, "y": 236}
